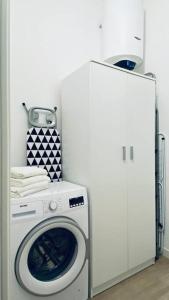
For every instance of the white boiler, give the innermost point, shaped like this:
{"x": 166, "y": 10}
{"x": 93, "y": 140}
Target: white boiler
{"x": 123, "y": 32}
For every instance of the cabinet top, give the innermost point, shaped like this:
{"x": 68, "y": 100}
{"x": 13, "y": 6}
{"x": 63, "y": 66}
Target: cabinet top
{"x": 123, "y": 70}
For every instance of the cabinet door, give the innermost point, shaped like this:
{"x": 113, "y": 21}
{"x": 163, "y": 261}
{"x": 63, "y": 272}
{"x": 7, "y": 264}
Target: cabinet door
{"x": 141, "y": 169}
{"x": 108, "y": 174}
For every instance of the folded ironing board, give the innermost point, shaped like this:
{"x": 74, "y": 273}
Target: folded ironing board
{"x": 44, "y": 151}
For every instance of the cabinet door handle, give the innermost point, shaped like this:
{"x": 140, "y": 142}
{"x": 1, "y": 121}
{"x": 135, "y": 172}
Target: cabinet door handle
{"x": 124, "y": 153}
{"x": 131, "y": 153}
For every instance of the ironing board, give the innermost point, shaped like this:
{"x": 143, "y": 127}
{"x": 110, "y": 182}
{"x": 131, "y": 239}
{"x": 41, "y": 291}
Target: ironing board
{"x": 44, "y": 151}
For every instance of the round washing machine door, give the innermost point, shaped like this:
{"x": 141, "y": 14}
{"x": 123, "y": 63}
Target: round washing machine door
{"x": 51, "y": 256}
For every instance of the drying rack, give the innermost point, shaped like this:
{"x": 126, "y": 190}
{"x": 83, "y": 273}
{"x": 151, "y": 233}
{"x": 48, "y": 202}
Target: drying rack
{"x": 160, "y": 190}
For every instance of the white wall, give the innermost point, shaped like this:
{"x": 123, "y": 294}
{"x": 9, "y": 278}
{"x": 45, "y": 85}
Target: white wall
{"x": 157, "y": 61}
{"x": 49, "y": 39}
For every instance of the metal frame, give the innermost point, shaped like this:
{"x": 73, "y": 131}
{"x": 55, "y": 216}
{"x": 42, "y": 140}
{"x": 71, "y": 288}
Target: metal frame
{"x": 4, "y": 147}
{"x": 160, "y": 189}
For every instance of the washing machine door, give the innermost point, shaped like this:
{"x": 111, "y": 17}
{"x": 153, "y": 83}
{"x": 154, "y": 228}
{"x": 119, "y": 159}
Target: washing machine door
{"x": 51, "y": 256}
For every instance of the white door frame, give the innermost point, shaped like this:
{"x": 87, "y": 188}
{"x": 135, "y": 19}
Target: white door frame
{"x": 4, "y": 147}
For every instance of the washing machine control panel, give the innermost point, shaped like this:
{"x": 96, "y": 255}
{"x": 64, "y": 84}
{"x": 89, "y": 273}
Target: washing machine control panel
{"x": 76, "y": 201}
{"x": 62, "y": 203}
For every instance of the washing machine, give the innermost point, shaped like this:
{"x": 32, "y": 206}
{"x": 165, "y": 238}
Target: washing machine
{"x": 50, "y": 244}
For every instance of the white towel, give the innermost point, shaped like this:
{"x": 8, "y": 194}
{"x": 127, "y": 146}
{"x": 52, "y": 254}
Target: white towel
{"x": 25, "y": 172}
{"x": 18, "y": 192}
{"x": 27, "y": 181}
{"x": 29, "y": 187}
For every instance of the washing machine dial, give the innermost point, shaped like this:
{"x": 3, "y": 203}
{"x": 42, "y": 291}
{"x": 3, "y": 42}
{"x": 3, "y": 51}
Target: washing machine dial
{"x": 53, "y": 205}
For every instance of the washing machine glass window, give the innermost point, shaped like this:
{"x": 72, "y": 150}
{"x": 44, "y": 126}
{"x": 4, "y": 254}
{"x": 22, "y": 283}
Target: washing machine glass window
{"x": 51, "y": 256}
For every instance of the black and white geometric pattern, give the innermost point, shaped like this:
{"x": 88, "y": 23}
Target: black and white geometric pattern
{"x": 44, "y": 151}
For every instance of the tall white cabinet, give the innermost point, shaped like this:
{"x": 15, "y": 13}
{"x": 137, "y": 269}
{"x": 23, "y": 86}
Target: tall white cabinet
{"x": 108, "y": 143}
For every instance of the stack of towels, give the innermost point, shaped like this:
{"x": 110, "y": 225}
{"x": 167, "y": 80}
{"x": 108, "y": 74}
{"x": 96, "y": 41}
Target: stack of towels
{"x": 28, "y": 180}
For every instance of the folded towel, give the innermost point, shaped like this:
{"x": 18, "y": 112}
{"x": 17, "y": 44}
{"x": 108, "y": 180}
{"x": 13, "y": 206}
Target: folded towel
{"x": 25, "y": 172}
{"x": 27, "y": 181}
{"x": 23, "y": 192}
{"x": 29, "y": 187}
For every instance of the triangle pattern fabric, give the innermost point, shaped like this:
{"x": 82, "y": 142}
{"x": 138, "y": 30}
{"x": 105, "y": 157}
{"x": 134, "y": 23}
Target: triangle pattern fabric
{"x": 38, "y": 160}
{"x": 58, "y": 146}
{"x": 55, "y": 162}
{"x": 41, "y": 138}
{"x": 38, "y": 145}
{"x": 54, "y": 147}
{"x": 37, "y": 130}
{"x": 45, "y": 145}
{"x": 54, "y": 138}
{"x": 48, "y": 133}
{"x": 33, "y": 132}
{"x": 54, "y": 133}
{"x": 48, "y": 138}
{"x": 30, "y": 145}
{"x": 51, "y": 160}
{"x": 44, "y": 154}
{"x": 52, "y": 169}
{"x": 30, "y": 139}
{"x": 51, "y": 154}
{"x": 34, "y": 147}
{"x": 37, "y": 139}
{"x": 30, "y": 154}
{"x": 41, "y": 132}
{"x": 45, "y": 160}
{"x": 38, "y": 154}
{"x": 44, "y": 141}
{"x": 43, "y": 150}
{"x": 33, "y": 137}
{"x": 48, "y": 147}
{"x": 58, "y": 160}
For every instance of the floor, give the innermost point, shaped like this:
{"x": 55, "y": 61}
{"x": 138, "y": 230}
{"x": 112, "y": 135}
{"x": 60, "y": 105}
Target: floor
{"x": 150, "y": 284}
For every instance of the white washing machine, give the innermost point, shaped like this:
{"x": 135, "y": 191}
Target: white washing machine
{"x": 49, "y": 244}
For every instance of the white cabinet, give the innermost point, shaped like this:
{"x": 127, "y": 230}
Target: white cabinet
{"x": 108, "y": 130}
{"x": 107, "y": 169}
{"x": 140, "y": 96}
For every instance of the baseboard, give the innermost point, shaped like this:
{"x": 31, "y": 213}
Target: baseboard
{"x": 166, "y": 252}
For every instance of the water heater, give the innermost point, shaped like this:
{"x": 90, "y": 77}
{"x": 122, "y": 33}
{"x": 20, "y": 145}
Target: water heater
{"x": 123, "y": 32}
